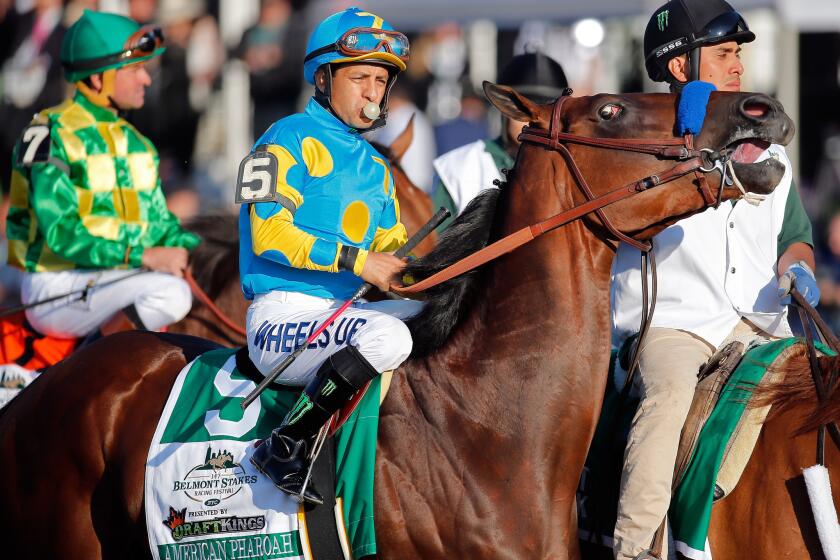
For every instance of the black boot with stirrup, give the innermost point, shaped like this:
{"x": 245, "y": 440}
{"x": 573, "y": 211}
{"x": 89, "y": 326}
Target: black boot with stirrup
{"x": 284, "y": 456}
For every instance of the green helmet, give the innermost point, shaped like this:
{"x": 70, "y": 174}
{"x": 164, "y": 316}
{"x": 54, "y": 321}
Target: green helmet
{"x": 100, "y": 41}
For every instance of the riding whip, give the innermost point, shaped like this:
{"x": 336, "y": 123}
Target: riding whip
{"x": 83, "y": 291}
{"x": 421, "y": 234}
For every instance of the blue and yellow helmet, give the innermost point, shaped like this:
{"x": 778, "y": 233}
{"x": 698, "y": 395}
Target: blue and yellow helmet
{"x": 354, "y": 35}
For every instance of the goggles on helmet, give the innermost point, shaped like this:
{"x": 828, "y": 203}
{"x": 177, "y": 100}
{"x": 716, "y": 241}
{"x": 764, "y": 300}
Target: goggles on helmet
{"x": 360, "y": 41}
{"x": 140, "y": 44}
{"x": 722, "y": 27}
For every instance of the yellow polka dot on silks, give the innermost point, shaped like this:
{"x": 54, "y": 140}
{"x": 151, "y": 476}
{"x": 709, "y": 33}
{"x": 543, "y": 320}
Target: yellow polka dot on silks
{"x": 316, "y": 157}
{"x": 355, "y": 221}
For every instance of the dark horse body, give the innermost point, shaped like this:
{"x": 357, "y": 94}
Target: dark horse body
{"x": 485, "y": 430}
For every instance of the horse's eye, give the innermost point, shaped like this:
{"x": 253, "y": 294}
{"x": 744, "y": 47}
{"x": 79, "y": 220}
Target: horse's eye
{"x": 609, "y": 111}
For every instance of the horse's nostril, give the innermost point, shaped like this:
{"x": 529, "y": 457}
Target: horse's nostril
{"x": 756, "y": 109}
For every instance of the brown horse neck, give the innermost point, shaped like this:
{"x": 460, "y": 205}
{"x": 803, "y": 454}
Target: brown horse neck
{"x": 502, "y": 415}
{"x": 545, "y": 307}
{"x": 559, "y": 282}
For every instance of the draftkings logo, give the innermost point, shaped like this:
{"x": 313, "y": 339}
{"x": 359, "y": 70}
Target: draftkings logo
{"x": 662, "y": 20}
{"x": 181, "y": 528}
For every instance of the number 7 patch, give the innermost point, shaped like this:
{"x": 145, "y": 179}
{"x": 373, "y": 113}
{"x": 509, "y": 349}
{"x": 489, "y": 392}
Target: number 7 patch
{"x": 257, "y": 178}
{"x": 32, "y": 147}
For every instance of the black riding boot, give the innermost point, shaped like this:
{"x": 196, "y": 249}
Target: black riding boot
{"x": 283, "y": 457}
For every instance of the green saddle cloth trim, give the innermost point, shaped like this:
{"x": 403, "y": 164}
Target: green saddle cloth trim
{"x": 691, "y": 505}
{"x": 355, "y": 441}
{"x": 355, "y": 460}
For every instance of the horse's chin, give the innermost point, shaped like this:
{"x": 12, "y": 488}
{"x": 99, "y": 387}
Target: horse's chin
{"x": 760, "y": 177}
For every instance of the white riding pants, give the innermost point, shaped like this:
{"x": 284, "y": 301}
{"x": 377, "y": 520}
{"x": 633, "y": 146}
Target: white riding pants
{"x": 160, "y": 300}
{"x": 278, "y": 322}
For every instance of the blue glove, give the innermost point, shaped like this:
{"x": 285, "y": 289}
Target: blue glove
{"x": 800, "y": 276}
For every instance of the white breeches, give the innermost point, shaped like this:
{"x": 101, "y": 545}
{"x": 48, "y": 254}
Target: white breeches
{"x": 160, "y": 300}
{"x": 278, "y": 322}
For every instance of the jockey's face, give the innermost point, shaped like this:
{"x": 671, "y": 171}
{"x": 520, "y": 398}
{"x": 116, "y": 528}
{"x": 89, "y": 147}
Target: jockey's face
{"x": 720, "y": 65}
{"x": 353, "y": 87}
{"x": 130, "y": 85}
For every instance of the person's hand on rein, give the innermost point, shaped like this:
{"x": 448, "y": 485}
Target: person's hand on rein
{"x": 380, "y": 269}
{"x": 799, "y": 276}
{"x": 169, "y": 260}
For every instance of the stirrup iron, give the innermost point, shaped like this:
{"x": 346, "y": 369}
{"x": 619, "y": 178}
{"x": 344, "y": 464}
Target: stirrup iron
{"x": 313, "y": 456}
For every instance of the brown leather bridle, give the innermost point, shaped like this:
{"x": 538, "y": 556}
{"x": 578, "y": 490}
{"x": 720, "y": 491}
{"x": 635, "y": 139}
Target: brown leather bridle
{"x": 682, "y": 149}
{"x": 668, "y": 148}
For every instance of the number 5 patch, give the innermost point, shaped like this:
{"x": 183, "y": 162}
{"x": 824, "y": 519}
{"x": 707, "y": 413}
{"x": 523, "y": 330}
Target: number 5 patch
{"x": 32, "y": 148}
{"x": 257, "y": 178}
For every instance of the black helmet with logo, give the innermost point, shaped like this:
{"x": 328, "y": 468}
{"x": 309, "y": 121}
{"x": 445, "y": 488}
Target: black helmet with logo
{"x": 535, "y": 75}
{"x": 683, "y": 26}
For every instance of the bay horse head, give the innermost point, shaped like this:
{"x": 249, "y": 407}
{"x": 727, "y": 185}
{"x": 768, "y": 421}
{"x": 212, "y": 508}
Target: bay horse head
{"x": 609, "y": 140}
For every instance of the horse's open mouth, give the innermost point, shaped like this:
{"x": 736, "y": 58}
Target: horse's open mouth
{"x": 757, "y": 176}
{"x": 747, "y": 151}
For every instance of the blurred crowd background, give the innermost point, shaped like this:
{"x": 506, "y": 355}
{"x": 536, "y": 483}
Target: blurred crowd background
{"x": 232, "y": 67}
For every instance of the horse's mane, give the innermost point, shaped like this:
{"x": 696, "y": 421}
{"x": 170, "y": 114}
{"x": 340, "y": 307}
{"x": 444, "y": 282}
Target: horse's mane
{"x": 215, "y": 262}
{"x": 795, "y": 390}
{"x": 448, "y": 303}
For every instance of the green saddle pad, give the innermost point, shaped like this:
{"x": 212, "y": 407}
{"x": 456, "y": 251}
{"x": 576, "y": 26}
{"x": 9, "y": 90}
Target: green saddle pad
{"x": 691, "y": 504}
{"x": 204, "y": 411}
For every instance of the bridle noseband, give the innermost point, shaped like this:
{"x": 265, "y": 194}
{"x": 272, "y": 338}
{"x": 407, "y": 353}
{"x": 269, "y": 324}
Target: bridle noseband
{"x": 691, "y": 160}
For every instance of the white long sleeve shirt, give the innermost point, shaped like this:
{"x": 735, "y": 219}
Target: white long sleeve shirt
{"x": 714, "y": 268}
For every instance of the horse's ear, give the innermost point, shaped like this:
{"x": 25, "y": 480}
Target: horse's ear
{"x": 401, "y": 143}
{"x": 512, "y": 104}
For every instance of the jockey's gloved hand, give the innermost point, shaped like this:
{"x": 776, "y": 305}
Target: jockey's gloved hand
{"x": 800, "y": 276}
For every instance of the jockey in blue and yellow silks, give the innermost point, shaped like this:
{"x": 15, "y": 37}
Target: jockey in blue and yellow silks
{"x": 319, "y": 218}
{"x": 336, "y": 202}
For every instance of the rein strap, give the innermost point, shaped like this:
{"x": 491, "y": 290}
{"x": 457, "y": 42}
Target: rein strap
{"x": 529, "y": 233}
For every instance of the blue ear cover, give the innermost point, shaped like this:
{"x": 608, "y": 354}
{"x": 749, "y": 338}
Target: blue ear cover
{"x": 692, "y": 108}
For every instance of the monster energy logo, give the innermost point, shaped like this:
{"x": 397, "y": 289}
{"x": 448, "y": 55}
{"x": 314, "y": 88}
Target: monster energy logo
{"x": 302, "y": 406}
{"x": 662, "y": 20}
{"x": 328, "y": 388}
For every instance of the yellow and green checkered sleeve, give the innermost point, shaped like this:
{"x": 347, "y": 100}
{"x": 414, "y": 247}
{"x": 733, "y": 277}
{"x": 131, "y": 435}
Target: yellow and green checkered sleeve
{"x": 165, "y": 228}
{"x": 55, "y": 201}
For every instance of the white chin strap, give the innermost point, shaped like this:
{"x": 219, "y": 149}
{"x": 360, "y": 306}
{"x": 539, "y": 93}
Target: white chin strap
{"x": 372, "y": 110}
{"x": 752, "y": 198}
